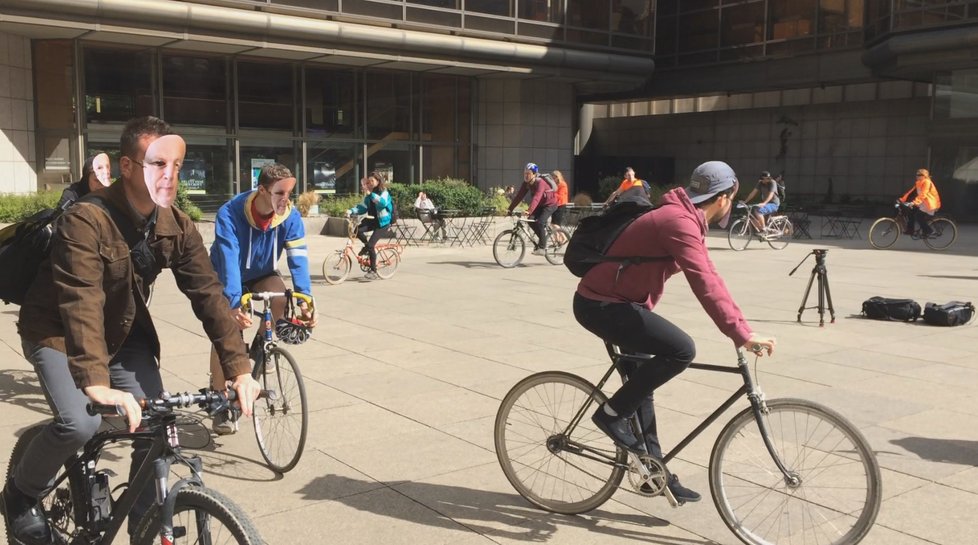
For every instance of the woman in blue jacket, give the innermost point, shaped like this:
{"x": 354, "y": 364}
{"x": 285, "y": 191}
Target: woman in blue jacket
{"x": 378, "y": 204}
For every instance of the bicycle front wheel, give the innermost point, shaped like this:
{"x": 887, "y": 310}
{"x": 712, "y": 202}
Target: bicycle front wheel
{"x": 508, "y": 249}
{"x": 281, "y": 423}
{"x": 782, "y": 227}
{"x": 740, "y": 234}
{"x": 557, "y": 244}
{"x": 200, "y": 515}
{"x": 555, "y": 471}
{"x": 387, "y": 261}
{"x": 944, "y": 235}
{"x": 336, "y": 267}
{"x": 836, "y": 494}
{"x": 884, "y": 233}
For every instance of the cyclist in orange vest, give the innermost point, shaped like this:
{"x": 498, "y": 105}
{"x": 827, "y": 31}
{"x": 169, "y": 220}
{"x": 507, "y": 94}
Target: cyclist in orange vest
{"x": 925, "y": 204}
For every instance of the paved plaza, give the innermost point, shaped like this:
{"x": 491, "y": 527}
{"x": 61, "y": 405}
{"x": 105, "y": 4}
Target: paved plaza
{"x": 405, "y": 377}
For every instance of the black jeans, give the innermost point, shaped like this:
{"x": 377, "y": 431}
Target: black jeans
{"x": 636, "y": 329}
{"x": 378, "y": 232}
{"x": 917, "y": 215}
{"x": 542, "y": 215}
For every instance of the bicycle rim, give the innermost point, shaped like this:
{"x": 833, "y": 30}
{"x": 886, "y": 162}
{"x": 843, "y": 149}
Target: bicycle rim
{"x": 783, "y": 229}
{"x": 508, "y": 249}
{"x": 883, "y": 233}
{"x": 740, "y": 234}
{"x": 839, "y": 492}
{"x": 336, "y": 267}
{"x": 281, "y": 423}
{"x": 528, "y": 432}
{"x": 200, "y": 515}
{"x": 557, "y": 245}
{"x": 387, "y": 262}
{"x": 945, "y": 233}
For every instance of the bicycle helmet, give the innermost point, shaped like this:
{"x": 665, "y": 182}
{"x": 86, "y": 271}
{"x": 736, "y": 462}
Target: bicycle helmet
{"x": 532, "y": 167}
{"x": 292, "y": 331}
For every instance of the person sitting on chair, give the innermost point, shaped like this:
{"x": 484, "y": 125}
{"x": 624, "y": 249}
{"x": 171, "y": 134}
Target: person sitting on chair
{"x": 424, "y": 206}
{"x": 924, "y": 205}
{"x": 767, "y": 188}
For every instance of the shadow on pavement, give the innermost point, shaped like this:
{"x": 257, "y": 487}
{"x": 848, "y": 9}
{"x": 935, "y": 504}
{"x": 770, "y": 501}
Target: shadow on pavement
{"x": 487, "y": 264}
{"x": 491, "y": 514}
{"x": 948, "y": 276}
{"x": 951, "y": 451}
{"x": 21, "y": 388}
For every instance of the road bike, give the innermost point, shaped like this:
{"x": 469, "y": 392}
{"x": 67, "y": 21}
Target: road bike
{"x": 885, "y": 231}
{"x": 509, "y": 248}
{"x": 83, "y": 508}
{"x": 281, "y": 423}
{"x": 782, "y": 471}
{"x": 338, "y": 264}
{"x": 777, "y": 233}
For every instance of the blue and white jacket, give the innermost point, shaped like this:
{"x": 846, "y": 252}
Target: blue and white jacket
{"x": 242, "y": 252}
{"x": 378, "y": 205}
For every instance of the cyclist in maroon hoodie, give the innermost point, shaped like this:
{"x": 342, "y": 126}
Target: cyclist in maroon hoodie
{"x": 542, "y": 206}
{"x": 617, "y": 305}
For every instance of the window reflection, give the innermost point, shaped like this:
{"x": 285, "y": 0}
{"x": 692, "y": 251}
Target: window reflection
{"x": 331, "y": 105}
{"x": 118, "y": 85}
{"x": 550, "y": 11}
{"x": 491, "y": 7}
{"x": 194, "y": 90}
{"x": 333, "y": 167}
{"x": 591, "y": 14}
{"x": 388, "y": 106}
{"x": 633, "y": 17}
{"x": 265, "y": 97}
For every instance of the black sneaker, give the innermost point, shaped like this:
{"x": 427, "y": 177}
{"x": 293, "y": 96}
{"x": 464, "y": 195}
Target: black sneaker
{"x": 682, "y": 493}
{"x": 618, "y": 430}
{"x": 25, "y": 520}
{"x": 364, "y": 251}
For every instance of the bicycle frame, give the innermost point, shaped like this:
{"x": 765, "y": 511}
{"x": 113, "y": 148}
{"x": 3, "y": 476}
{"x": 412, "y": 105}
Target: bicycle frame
{"x": 748, "y": 388}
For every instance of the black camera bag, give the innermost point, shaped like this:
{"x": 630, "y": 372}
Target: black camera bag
{"x": 897, "y": 310}
{"x": 949, "y": 314}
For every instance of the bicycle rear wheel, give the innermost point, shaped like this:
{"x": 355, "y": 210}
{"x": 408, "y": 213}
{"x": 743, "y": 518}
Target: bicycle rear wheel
{"x": 545, "y": 466}
{"x": 508, "y": 249}
{"x": 200, "y": 515}
{"x": 387, "y": 261}
{"x": 836, "y": 498}
{"x": 883, "y": 233}
{"x": 281, "y": 423}
{"x": 782, "y": 227}
{"x": 944, "y": 235}
{"x": 740, "y": 234}
{"x": 336, "y": 267}
{"x": 61, "y": 504}
{"x": 557, "y": 244}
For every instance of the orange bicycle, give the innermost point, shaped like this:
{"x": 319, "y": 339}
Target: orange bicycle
{"x": 337, "y": 265}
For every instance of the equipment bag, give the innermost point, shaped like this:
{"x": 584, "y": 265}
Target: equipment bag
{"x": 595, "y": 234}
{"x": 897, "y": 310}
{"x": 23, "y": 246}
{"x": 948, "y": 314}
{"x": 551, "y": 181}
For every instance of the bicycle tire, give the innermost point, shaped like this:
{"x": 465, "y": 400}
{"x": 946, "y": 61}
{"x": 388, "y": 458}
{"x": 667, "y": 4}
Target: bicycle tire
{"x": 508, "y": 249}
{"x": 884, "y": 233}
{"x": 387, "y": 262}
{"x": 58, "y": 504}
{"x": 281, "y": 424}
{"x": 203, "y": 516}
{"x": 336, "y": 267}
{"x": 783, "y": 226}
{"x": 525, "y": 428}
{"x": 740, "y": 234}
{"x": 831, "y": 458}
{"x": 557, "y": 245}
{"x": 945, "y": 233}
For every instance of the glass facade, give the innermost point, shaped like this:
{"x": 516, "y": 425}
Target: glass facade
{"x": 329, "y": 125}
{"x": 956, "y": 94}
{"x": 885, "y": 16}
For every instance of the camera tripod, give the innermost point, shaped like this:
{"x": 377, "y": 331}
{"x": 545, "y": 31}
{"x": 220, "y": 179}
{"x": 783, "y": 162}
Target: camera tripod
{"x": 824, "y": 295}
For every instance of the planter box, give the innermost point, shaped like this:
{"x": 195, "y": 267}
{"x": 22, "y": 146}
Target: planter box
{"x": 336, "y": 227}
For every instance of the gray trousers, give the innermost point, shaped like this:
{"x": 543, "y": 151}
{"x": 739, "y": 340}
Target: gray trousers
{"x": 133, "y": 369}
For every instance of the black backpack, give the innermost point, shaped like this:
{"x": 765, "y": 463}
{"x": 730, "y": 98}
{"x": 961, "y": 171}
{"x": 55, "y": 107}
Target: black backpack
{"x": 949, "y": 314}
{"x": 897, "y": 310}
{"x": 23, "y": 246}
{"x": 595, "y": 234}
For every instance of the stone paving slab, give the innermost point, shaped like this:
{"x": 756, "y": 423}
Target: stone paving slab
{"x": 405, "y": 377}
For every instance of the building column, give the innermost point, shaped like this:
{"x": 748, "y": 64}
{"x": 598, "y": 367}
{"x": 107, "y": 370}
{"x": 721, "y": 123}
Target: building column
{"x": 17, "y": 155}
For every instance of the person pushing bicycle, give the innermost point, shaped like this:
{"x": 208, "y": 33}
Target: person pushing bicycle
{"x": 616, "y": 302}
{"x": 85, "y": 326}
{"x": 925, "y": 203}
{"x": 250, "y": 233}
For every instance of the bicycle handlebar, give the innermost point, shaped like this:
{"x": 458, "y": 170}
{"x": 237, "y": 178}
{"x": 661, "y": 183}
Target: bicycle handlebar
{"x": 205, "y": 399}
{"x": 269, "y": 295}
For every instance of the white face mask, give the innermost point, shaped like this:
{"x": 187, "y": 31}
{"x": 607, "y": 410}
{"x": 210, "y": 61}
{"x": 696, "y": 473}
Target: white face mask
{"x": 161, "y": 168}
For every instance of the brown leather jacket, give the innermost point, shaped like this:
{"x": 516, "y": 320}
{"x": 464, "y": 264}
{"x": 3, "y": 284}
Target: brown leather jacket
{"x": 82, "y": 301}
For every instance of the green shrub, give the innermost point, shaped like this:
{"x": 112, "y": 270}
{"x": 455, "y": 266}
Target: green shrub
{"x": 606, "y": 186}
{"x": 498, "y": 201}
{"x": 14, "y": 208}
{"x": 184, "y": 203}
{"x": 336, "y": 205}
{"x": 446, "y": 193}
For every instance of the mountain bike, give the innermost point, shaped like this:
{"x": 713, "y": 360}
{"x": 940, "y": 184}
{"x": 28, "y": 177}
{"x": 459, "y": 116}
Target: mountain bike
{"x": 509, "y": 248}
{"x": 782, "y": 471}
{"x": 885, "y": 231}
{"x": 83, "y": 508}
{"x": 777, "y": 233}
{"x": 281, "y": 423}
{"x": 337, "y": 265}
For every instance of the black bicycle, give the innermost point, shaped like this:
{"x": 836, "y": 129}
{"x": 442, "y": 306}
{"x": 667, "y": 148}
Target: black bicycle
{"x": 509, "y": 248}
{"x": 782, "y": 471}
{"x": 84, "y": 509}
{"x": 885, "y": 231}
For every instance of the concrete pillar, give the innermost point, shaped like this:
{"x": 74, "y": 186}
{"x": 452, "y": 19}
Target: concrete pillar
{"x": 17, "y": 155}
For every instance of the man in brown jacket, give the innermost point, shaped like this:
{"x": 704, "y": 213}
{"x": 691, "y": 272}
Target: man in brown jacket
{"x": 85, "y": 325}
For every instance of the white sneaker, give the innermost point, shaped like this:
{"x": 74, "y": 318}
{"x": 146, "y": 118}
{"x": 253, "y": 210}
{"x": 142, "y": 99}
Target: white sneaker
{"x": 371, "y": 276}
{"x": 539, "y": 251}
